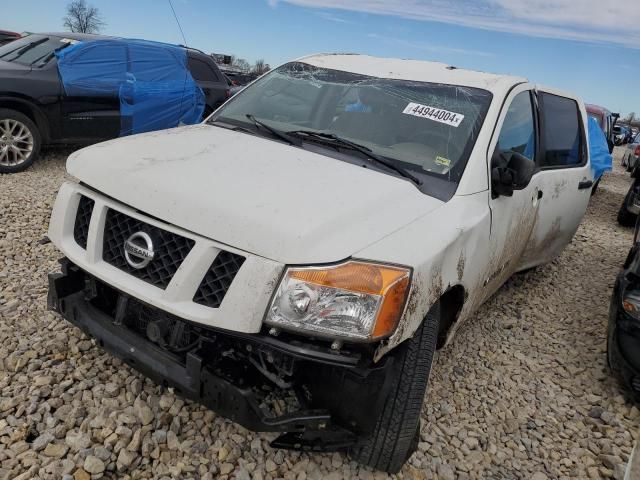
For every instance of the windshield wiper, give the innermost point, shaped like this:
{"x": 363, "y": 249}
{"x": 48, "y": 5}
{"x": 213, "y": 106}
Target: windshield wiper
{"x": 229, "y": 126}
{"x": 334, "y": 139}
{"x": 44, "y": 59}
{"x": 275, "y": 132}
{"x": 22, "y": 50}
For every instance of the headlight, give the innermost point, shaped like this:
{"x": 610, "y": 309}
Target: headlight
{"x": 631, "y": 302}
{"x": 354, "y": 300}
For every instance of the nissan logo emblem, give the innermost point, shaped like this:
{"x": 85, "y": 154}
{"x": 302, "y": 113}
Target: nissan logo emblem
{"x": 138, "y": 250}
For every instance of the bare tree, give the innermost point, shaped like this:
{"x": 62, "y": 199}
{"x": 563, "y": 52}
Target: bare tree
{"x": 83, "y": 18}
{"x": 261, "y": 67}
{"x": 241, "y": 64}
{"x": 631, "y": 117}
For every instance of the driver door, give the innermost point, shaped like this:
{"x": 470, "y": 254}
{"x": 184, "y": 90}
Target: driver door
{"x": 564, "y": 176}
{"x": 513, "y": 218}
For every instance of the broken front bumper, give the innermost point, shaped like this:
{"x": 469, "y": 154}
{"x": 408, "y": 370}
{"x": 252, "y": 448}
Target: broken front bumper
{"x": 340, "y": 394}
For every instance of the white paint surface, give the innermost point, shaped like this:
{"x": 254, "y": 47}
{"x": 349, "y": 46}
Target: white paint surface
{"x": 279, "y": 205}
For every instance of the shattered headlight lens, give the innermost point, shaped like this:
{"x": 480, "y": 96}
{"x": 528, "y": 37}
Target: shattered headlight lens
{"x": 354, "y": 300}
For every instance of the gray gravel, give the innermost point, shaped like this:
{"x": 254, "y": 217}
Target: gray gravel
{"x": 523, "y": 392}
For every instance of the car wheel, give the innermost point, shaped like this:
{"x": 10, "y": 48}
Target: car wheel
{"x": 397, "y": 429}
{"x": 630, "y": 164}
{"x": 20, "y": 141}
{"x": 625, "y": 217}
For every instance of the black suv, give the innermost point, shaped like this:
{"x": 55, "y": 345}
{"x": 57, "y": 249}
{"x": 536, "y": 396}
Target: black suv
{"x": 34, "y": 109}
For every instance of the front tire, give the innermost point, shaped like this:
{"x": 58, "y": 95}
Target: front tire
{"x": 397, "y": 430}
{"x": 20, "y": 141}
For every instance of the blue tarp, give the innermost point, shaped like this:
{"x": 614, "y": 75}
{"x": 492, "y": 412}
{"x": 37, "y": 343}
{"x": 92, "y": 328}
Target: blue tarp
{"x": 601, "y": 159}
{"x": 151, "y": 80}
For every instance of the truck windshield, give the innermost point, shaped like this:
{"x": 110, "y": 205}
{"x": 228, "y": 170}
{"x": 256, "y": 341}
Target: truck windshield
{"x": 426, "y": 128}
{"x": 33, "y": 50}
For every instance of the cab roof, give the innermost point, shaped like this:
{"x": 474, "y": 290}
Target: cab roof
{"x": 413, "y": 70}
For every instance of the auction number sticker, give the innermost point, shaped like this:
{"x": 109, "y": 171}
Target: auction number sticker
{"x": 433, "y": 113}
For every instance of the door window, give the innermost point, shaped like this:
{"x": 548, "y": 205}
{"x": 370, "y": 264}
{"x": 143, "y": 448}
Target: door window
{"x": 201, "y": 71}
{"x": 518, "y": 132}
{"x": 562, "y": 132}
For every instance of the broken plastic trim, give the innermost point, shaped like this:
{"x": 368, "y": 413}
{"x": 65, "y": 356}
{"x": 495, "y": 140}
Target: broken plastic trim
{"x": 324, "y": 421}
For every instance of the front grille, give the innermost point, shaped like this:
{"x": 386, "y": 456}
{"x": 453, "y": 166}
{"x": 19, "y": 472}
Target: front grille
{"x": 218, "y": 279}
{"x": 635, "y": 384}
{"x": 170, "y": 249}
{"x": 83, "y": 218}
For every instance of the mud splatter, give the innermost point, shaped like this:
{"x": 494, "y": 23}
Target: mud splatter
{"x": 460, "y": 266}
{"x": 504, "y": 262}
{"x": 557, "y": 189}
{"x": 435, "y": 284}
{"x": 417, "y": 292}
{"x": 543, "y": 247}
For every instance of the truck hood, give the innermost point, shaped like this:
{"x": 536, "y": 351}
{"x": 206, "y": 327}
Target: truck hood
{"x": 261, "y": 196}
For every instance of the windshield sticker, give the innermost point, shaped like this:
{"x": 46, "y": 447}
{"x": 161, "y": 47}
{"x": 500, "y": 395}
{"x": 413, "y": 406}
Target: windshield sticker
{"x": 445, "y": 162}
{"x": 432, "y": 113}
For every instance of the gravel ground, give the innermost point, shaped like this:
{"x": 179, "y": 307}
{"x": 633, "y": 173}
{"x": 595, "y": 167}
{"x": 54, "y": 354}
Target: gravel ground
{"x": 523, "y": 392}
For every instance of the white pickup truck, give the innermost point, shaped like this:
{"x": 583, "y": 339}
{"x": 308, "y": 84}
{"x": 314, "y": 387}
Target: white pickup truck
{"x": 319, "y": 237}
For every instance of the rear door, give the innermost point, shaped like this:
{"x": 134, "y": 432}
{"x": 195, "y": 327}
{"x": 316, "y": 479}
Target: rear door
{"x": 210, "y": 79}
{"x": 564, "y": 179}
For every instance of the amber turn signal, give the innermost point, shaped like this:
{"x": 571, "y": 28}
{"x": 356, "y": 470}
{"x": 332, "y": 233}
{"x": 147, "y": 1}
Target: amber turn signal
{"x": 390, "y": 283}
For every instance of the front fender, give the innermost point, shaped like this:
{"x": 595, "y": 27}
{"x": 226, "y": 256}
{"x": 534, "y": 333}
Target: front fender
{"x": 445, "y": 248}
{"x": 29, "y": 107}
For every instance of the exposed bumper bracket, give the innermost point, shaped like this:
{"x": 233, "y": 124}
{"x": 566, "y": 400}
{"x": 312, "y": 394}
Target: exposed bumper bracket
{"x": 310, "y": 429}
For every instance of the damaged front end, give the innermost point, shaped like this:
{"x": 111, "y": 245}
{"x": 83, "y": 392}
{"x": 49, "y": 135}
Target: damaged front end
{"x": 319, "y": 398}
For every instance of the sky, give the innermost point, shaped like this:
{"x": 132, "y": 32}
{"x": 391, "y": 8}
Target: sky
{"x": 590, "y": 47}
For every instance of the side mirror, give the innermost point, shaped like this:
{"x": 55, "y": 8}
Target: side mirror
{"x": 510, "y": 171}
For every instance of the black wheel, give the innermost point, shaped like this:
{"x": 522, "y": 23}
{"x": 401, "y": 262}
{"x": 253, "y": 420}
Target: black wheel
{"x": 397, "y": 430}
{"x": 625, "y": 217}
{"x": 20, "y": 141}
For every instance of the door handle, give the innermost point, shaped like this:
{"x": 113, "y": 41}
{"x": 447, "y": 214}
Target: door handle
{"x": 585, "y": 184}
{"x": 537, "y": 195}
